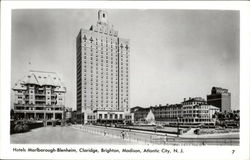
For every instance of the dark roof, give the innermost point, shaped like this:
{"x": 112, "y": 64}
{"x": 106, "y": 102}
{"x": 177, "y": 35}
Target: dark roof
{"x": 218, "y": 90}
{"x": 136, "y": 107}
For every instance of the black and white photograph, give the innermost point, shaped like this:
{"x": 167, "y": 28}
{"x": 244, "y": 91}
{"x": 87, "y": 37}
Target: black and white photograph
{"x": 126, "y": 77}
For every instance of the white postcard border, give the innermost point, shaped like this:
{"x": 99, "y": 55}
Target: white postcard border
{"x": 190, "y": 152}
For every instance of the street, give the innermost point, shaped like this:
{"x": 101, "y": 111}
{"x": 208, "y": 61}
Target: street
{"x": 62, "y": 135}
{"x": 89, "y": 134}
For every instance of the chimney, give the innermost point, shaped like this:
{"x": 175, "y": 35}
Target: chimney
{"x": 189, "y": 98}
{"x": 184, "y": 99}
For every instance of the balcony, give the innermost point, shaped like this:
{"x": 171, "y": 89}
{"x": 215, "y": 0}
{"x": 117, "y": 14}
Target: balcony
{"x": 39, "y": 94}
{"x": 40, "y": 100}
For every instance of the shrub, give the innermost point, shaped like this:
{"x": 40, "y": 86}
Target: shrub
{"x": 21, "y": 127}
{"x": 18, "y": 128}
{"x": 25, "y": 128}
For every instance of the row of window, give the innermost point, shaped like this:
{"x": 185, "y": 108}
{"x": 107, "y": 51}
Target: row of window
{"x": 101, "y": 48}
{"x": 164, "y": 116}
{"x": 108, "y": 78}
{"x": 107, "y": 32}
{"x": 101, "y": 94}
{"x": 110, "y": 116}
{"x": 100, "y": 39}
{"x": 199, "y": 111}
{"x": 101, "y": 55}
{"x": 101, "y": 45}
{"x": 109, "y": 91}
{"x": 192, "y": 103}
{"x": 102, "y": 105}
{"x": 167, "y": 112}
{"x": 101, "y": 42}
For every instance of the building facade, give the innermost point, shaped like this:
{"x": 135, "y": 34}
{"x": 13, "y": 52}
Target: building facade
{"x": 39, "y": 95}
{"x": 197, "y": 111}
{"x": 220, "y": 98}
{"x": 193, "y": 111}
{"x": 102, "y": 73}
{"x": 168, "y": 113}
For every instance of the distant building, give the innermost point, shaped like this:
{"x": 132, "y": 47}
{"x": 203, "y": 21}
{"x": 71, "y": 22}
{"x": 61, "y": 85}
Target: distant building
{"x": 220, "y": 98}
{"x": 102, "y": 73}
{"x": 162, "y": 114}
{"x": 197, "y": 111}
{"x": 39, "y": 95}
{"x": 132, "y": 113}
{"x": 193, "y": 111}
{"x": 168, "y": 113}
{"x": 129, "y": 119}
{"x": 133, "y": 109}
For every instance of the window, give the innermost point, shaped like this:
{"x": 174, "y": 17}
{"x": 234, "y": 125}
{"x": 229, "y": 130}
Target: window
{"x": 100, "y": 116}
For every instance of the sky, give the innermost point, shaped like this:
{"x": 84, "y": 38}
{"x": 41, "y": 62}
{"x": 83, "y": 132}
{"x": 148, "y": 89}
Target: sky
{"x": 174, "y": 54}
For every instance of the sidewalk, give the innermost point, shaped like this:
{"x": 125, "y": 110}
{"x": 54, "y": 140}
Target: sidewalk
{"x": 100, "y": 132}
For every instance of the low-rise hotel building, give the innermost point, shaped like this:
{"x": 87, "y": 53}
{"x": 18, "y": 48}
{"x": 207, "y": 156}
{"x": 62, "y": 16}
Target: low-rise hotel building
{"x": 193, "y": 111}
{"x": 167, "y": 113}
{"x": 197, "y": 111}
{"x": 40, "y": 96}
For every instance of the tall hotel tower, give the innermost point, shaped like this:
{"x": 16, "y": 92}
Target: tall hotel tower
{"x": 102, "y": 74}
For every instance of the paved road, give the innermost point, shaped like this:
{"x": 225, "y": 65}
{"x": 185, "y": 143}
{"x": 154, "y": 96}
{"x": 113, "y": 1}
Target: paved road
{"x": 78, "y": 134}
{"x": 62, "y": 135}
{"x": 145, "y": 137}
